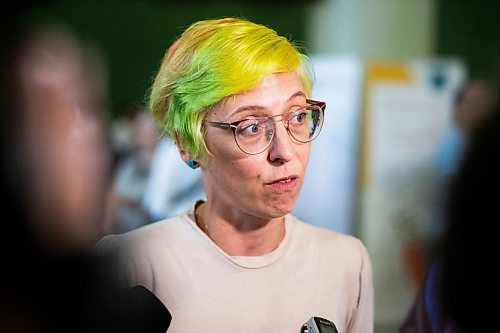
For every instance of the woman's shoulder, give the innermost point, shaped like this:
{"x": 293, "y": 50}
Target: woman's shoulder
{"x": 153, "y": 232}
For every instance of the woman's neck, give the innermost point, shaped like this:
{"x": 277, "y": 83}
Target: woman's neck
{"x": 240, "y": 237}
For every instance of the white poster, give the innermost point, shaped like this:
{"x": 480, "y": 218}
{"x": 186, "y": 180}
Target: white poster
{"x": 328, "y": 195}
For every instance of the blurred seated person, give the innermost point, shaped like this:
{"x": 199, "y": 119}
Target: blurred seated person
{"x": 132, "y": 175}
{"x": 471, "y": 105}
{"x": 172, "y": 186}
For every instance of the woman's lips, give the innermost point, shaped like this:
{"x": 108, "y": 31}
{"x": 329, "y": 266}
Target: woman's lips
{"x": 284, "y": 184}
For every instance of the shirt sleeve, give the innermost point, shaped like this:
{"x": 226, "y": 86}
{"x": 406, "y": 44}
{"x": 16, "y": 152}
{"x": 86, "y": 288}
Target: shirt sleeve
{"x": 363, "y": 317}
{"x": 123, "y": 266}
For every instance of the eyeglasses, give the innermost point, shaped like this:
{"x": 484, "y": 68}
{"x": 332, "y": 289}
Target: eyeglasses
{"x": 254, "y": 135}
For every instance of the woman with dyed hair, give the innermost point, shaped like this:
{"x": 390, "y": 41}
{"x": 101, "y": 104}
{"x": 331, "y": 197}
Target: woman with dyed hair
{"x": 234, "y": 96}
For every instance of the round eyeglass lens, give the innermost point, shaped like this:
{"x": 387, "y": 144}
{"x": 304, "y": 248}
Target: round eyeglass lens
{"x": 254, "y": 135}
{"x": 305, "y": 124}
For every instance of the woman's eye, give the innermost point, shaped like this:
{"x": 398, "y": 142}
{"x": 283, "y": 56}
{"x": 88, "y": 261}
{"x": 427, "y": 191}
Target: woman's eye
{"x": 253, "y": 128}
{"x": 299, "y": 117}
{"x": 249, "y": 129}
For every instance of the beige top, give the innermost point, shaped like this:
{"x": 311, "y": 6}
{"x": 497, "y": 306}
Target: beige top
{"x": 313, "y": 272}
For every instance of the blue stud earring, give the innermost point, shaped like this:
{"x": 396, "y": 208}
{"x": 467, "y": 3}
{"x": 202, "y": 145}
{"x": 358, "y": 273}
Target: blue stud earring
{"x": 193, "y": 164}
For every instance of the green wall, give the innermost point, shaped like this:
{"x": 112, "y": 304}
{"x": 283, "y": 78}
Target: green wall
{"x": 471, "y": 30}
{"x": 134, "y": 35}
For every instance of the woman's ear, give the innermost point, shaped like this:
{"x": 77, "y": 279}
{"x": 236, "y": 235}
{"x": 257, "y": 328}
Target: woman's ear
{"x": 180, "y": 146}
{"x": 186, "y": 157}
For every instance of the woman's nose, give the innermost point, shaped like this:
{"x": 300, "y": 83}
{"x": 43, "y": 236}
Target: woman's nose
{"x": 281, "y": 150}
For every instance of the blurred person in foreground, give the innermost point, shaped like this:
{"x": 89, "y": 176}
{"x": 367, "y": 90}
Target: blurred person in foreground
{"x": 55, "y": 174}
{"x": 456, "y": 295}
{"x": 235, "y": 97}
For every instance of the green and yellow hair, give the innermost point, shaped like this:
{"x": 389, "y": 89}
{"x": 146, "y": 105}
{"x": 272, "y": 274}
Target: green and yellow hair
{"x": 210, "y": 61}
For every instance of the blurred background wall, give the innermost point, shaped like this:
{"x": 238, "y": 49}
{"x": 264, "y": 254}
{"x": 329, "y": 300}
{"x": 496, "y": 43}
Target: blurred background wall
{"x": 133, "y": 35}
{"x": 407, "y": 35}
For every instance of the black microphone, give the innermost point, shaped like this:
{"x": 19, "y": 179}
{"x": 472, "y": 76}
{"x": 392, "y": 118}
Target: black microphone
{"x": 319, "y": 325}
{"x": 142, "y": 312}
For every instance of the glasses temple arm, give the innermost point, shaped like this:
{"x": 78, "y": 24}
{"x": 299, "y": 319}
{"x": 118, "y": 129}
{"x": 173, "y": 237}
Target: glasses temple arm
{"x": 218, "y": 124}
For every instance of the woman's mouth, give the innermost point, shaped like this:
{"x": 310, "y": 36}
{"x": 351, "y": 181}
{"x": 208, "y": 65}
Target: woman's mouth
{"x": 284, "y": 184}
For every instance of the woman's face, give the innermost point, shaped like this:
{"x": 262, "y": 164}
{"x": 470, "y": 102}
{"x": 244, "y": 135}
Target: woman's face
{"x": 265, "y": 185}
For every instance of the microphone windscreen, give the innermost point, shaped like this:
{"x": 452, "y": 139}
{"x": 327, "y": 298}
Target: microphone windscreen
{"x": 145, "y": 312}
